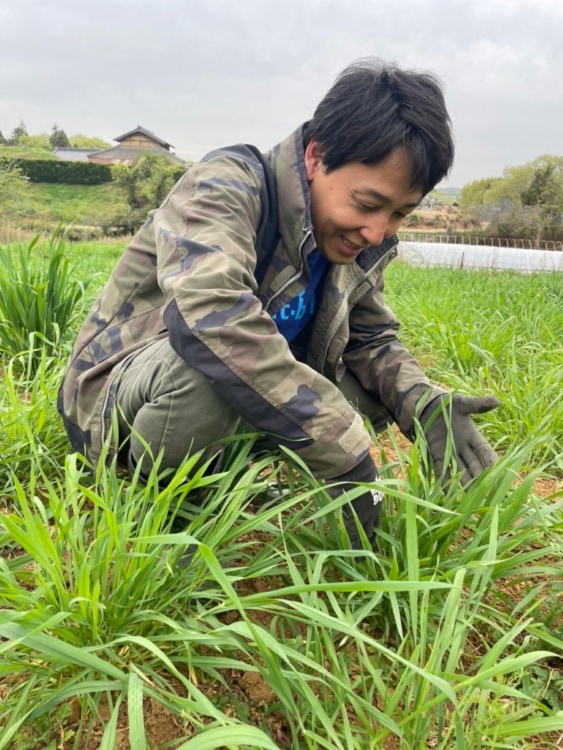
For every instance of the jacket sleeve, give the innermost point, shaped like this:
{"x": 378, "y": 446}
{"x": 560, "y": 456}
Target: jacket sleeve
{"x": 205, "y": 234}
{"x": 382, "y": 364}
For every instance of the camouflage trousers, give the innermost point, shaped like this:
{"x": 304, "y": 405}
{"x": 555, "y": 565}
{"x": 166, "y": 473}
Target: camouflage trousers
{"x": 165, "y": 404}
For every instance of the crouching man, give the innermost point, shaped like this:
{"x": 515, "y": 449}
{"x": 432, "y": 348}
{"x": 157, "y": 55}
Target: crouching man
{"x": 255, "y": 293}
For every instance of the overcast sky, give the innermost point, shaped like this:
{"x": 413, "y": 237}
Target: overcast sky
{"x": 206, "y": 73}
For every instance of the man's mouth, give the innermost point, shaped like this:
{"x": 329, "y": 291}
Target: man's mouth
{"x": 351, "y": 245}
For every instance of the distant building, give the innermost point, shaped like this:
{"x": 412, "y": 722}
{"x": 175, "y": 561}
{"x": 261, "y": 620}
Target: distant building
{"x": 73, "y": 154}
{"x": 130, "y": 145}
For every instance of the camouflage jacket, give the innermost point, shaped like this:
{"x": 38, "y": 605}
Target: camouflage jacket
{"x": 226, "y": 250}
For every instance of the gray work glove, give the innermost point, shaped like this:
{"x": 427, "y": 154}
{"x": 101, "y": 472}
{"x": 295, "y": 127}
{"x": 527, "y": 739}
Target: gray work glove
{"x": 471, "y": 451}
{"x": 367, "y": 506}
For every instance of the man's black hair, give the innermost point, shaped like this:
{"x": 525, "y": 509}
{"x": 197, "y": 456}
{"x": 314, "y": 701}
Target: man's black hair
{"x": 372, "y": 108}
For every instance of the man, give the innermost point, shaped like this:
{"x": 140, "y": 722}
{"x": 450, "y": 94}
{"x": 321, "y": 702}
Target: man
{"x": 255, "y": 293}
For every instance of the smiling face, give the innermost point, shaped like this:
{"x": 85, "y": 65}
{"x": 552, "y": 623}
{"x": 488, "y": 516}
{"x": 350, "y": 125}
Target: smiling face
{"x": 358, "y": 205}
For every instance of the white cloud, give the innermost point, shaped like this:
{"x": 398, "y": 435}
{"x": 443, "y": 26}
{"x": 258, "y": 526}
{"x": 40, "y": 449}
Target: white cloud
{"x": 492, "y": 8}
{"x": 205, "y": 73}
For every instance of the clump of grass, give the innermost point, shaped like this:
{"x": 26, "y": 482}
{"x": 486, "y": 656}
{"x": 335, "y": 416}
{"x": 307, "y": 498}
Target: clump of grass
{"x": 32, "y": 437}
{"x": 38, "y": 300}
{"x": 354, "y": 646}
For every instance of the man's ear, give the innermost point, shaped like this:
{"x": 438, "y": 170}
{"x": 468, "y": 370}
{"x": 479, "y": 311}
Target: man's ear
{"x": 313, "y": 159}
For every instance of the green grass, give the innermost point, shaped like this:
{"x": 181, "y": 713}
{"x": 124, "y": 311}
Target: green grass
{"x": 449, "y": 635}
{"x": 93, "y": 262}
{"x": 496, "y": 332}
{"x": 50, "y": 204}
{"x": 39, "y": 297}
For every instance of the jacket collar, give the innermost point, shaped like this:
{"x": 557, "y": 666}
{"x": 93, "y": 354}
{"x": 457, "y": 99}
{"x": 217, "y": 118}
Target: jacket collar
{"x": 294, "y": 199}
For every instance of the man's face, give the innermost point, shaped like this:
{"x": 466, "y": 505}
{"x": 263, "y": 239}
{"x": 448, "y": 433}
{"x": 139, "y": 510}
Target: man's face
{"x": 358, "y": 205}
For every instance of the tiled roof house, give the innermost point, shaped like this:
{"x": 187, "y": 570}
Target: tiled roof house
{"x": 130, "y": 145}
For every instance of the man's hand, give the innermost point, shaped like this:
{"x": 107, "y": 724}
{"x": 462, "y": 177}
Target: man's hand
{"x": 471, "y": 451}
{"x": 367, "y": 506}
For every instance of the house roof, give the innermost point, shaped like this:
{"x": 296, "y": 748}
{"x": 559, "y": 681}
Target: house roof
{"x": 147, "y": 133}
{"x": 73, "y": 154}
{"x": 129, "y": 153}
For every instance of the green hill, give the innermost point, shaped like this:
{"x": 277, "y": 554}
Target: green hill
{"x": 45, "y": 205}
{"x": 447, "y": 196}
{"x": 26, "y": 152}
{"x": 74, "y": 203}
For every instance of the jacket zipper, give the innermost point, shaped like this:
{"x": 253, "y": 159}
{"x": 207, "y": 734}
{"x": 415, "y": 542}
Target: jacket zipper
{"x": 295, "y": 276}
{"x": 337, "y": 319}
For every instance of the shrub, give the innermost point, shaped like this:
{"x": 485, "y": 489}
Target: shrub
{"x": 69, "y": 172}
{"x": 148, "y": 180}
{"x": 83, "y": 233}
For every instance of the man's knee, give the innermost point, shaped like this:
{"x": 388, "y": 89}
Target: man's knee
{"x": 170, "y": 408}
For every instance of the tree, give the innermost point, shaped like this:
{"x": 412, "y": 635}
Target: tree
{"x": 545, "y": 188}
{"x": 538, "y": 182}
{"x": 147, "y": 181}
{"x": 536, "y": 192}
{"x": 17, "y": 134}
{"x": 527, "y": 202}
{"x": 3, "y": 140}
{"x": 40, "y": 141}
{"x": 58, "y": 138}
{"x": 145, "y": 184}
{"x": 476, "y": 193}
{"x": 84, "y": 141}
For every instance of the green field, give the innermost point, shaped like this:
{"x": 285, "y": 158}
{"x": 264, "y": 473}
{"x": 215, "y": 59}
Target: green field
{"x": 449, "y": 635}
{"x": 48, "y": 205}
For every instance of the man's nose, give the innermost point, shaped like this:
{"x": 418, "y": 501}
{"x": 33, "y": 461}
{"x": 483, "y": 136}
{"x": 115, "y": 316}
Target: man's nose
{"x": 375, "y": 229}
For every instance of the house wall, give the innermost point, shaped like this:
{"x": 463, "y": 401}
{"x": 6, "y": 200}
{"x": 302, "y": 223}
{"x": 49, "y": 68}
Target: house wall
{"x": 100, "y": 160}
{"x": 138, "y": 140}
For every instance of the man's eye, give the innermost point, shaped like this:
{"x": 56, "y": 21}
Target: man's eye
{"x": 366, "y": 206}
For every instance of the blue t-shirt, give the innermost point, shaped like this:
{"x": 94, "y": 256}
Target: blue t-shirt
{"x": 294, "y": 316}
